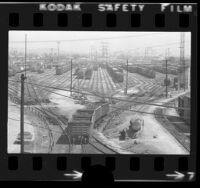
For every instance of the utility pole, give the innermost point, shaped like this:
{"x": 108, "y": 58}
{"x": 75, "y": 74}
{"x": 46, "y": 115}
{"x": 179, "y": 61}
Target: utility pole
{"x": 181, "y": 75}
{"x": 25, "y": 54}
{"x": 58, "y": 43}
{"x": 51, "y": 63}
{"x": 166, "y": 82}
{"x": 183, "y": 58}
{"x": 22, "y": 114}
{"x": 71, "y": 80}
{"x": 78, "y": 86}
{"x": 126, "y": 91}
{"x": 166, "y": 72}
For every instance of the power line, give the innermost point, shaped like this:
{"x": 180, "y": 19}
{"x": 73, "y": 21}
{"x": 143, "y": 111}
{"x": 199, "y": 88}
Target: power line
{"x": 35, "y": 125}
{"x": 78, "y": 40}
{"x": 43, "y": 110}
{"x": 143, "y": 112}
{"x": 111, "y": 98}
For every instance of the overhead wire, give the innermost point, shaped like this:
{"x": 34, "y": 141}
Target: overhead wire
{"x": 35, "y": 125}
{"x": 107, "y": 97}
{"x": 89, "y": 39}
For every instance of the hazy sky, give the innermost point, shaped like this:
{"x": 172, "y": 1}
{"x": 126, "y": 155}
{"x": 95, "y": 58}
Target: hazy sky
{"x": 84, "y": 41}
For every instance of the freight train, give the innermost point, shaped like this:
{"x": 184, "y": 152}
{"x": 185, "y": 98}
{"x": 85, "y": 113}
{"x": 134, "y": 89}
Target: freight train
{"x": 88, "y": 73}
{"x": 83, "y": 74}
{"x": 79, "y": 73}
{"x": 162, "y": 70}
{"x": 60, "y": 69}
{"x": 83, "y": 121}
{"x": 36, "y": 67}
{"x": 142, "y": 71}
{"x": 116, "y": 75}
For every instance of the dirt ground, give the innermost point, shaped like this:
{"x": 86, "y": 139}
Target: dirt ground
{"x": 32, "y": 124}
{"x": 154, "y": 139}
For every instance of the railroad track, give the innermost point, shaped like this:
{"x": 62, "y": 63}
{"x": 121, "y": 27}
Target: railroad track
{"x": 101, "y": 147}
{"x": 99, "y": 74}
{"x": 50, "y": 114}
{"x": 95, "y": 146}
{"x": 165, "y": 122}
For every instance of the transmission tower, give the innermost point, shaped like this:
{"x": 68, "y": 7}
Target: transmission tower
{"x": 104, "y": 50}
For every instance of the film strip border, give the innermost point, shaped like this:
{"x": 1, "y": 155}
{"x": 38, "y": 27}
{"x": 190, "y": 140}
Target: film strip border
{"x": 46, "y": 167}
{"x": 150, "y": 17}
{"x": 38, "y": 20}
{"x": 40, "y": 167}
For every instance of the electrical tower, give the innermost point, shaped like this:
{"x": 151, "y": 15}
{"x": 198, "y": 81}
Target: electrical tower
{"x": 146, "y": 53}
{"x": 92, "y": 53}
{"x": 104, "y": 50}
{"x": 182, "y": 76}
{"x": 58, "y": 53}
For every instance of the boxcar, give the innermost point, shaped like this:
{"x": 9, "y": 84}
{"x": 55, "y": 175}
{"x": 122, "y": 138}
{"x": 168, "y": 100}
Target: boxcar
{"x": 88, "y": 73}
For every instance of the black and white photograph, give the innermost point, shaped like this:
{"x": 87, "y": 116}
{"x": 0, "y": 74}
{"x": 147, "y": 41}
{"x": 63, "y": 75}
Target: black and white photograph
{"x": 99, "y": 92}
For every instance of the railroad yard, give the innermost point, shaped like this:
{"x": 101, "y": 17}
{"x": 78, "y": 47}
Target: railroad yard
{"x": 106, "y": 106}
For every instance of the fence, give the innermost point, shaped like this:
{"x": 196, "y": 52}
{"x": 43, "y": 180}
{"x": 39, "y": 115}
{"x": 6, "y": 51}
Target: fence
{"x": 99, "y": 113}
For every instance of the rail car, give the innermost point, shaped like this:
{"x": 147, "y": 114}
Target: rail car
{"x": 33, "y": 68}
{"x": 60, "y": 69}
{"x": 36, "y": 67}
{"x": 79, "y": 73}
{"x": 116, "y": 75}
{"x": 85, "y": 111}
{"x": 175, "y": 83}
{"x": 142, "y": 71}
{"x": 49, "y": 66}
{"x": 82, "y": 122}
{"x": 79, "y": 126}
{"x": 88, "y": 73}
{"x": 162, "y": 70}
{"x": 167, "y": 82}
{"x": 95, "y": 67}
{"x": 146, "y": 72}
